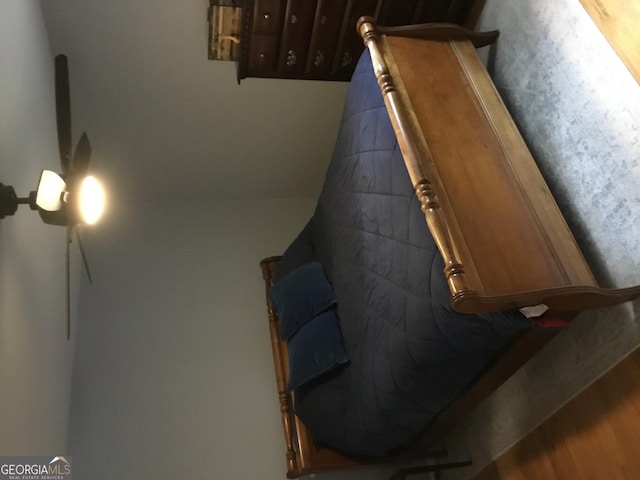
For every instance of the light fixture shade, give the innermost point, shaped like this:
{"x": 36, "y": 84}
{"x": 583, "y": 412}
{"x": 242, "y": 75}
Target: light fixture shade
{"x": 50, "y": 191}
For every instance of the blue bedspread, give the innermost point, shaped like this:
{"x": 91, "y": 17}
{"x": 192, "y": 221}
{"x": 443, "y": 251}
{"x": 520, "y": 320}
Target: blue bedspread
{"x": 410, "y": 354}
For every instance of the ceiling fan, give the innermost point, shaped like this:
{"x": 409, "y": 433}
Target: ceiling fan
{"x": 67, "y": 199}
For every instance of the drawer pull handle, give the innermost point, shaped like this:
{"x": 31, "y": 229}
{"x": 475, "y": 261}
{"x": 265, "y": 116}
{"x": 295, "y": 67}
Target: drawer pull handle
{"x": 293, "y": 19}
{"x": 292, "y": 58}
{"x": 263, "y": 55}
{"x": 346, "y": 59}
{"x": 267, "y": 16}
{"x": 318, "y": 59}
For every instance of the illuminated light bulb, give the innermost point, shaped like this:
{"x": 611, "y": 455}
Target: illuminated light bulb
{"x": 91, "y": 200}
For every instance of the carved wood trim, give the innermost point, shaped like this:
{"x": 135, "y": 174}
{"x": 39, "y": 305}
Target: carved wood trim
{"x": 432, "y": 31}
{"x": 414, "y": 147}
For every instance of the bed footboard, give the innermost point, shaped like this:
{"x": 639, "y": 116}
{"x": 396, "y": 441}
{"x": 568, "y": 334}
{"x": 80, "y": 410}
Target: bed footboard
{"x": 503, "y": 238}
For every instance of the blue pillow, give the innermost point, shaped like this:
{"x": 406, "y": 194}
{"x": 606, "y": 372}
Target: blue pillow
{"x": 316, "y": 349}
{"x": 301, "y": 295}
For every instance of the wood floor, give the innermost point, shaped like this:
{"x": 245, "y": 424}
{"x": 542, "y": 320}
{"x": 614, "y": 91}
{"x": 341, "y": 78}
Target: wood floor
{"x": 595, "y": 436}
{"x": 618, "y": 22}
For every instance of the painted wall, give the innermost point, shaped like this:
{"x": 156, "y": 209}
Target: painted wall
{"x": 174, "y": 375}
{"x": 35, "y": 357}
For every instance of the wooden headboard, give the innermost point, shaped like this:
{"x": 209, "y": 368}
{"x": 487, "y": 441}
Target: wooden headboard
{"x": 303, "y": 457}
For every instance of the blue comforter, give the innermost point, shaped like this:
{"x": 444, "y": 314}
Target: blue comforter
{"x": 410, "y": 354}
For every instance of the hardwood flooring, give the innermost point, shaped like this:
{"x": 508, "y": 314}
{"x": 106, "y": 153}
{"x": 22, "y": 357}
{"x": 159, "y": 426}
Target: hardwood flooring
{"x": 595, "y": 436}
{"x": 618, "y": 21}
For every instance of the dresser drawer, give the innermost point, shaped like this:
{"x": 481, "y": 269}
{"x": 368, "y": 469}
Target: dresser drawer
{"x": 267, "y": 16}
{"x": 400, "y": 13}
{"x": 434, "y": 11}
{"x": 263, "y": 54}
{"x": 298, "y": 21}
{"x": 326, "y": 29}
{"x": 317, "y": 39}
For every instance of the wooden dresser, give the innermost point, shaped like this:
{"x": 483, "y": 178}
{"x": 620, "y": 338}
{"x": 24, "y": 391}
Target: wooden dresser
{"x": 317, "y": 39}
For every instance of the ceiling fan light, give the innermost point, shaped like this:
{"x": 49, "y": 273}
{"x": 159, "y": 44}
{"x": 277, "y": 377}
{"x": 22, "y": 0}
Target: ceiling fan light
{"x": 91, "y": 200}
{"x": 50, "y": 191}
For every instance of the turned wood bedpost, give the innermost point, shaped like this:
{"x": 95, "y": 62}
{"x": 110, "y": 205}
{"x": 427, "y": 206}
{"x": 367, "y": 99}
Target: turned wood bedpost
{"x": 453, "y": 269}
{"x": 416, "y": 153}
{"x": 280, "y": 357}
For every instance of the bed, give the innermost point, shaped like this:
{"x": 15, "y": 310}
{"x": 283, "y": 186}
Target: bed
{"x": 391, "y": 317}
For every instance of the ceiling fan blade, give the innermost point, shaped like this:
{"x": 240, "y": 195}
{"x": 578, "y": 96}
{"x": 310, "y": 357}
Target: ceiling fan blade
{"x": 85, "y": 262}
{"x": 81, "y": 157}
{"x": 63, "y": 111}
{"x": 68, "y": 275}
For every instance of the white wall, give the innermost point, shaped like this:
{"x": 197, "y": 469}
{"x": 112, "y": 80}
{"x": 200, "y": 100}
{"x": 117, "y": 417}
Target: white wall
{"x": 35, "y": 357}
{"x": 174, "y": 375}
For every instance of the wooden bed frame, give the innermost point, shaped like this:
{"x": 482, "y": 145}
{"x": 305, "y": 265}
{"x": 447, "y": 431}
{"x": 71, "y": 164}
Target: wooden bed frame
{"x": 504, "y": 241}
